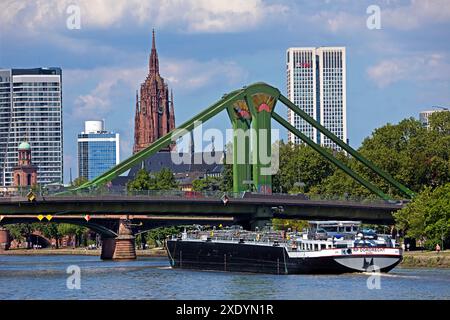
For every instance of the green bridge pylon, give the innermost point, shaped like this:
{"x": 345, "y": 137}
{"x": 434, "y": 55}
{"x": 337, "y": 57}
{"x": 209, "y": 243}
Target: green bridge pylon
{"x": 250, "y": 110}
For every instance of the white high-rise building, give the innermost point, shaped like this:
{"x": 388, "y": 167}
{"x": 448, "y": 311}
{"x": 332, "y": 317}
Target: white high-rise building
{"x": 316, "y": 82}
{"x": 31, "y": 111}
{"x": 425, "y": 115}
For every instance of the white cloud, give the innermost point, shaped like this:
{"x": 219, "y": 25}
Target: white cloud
{"x": 191, "y": 75}
{"x": 417, "y": 14}
{"x": 351, "y": 16}
{"x": 338, "y": 21}
{"x": 186, "y": 15}
{"x": 98, "y": 102}
{"x": 424, "y": 67}
{"x": 182, "y": 76}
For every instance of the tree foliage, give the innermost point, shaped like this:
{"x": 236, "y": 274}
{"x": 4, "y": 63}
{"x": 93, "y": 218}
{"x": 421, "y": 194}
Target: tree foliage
{"x": 22, "y": 231}
{"x": 207, "y": 184}
{"x": 427, "y": 217}
{"x": 79, "y": 181}
{"x": 163, "y": 180}
{"x": 301, "y": 168}
{"x": 157, "y": 235}
{"x": 293, "y": 224}
{"x": 415, "y": 156}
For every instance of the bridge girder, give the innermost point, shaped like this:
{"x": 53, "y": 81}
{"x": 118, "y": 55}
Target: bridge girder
{"x": 258, "y": 120}
{"x": 237, "y": 208}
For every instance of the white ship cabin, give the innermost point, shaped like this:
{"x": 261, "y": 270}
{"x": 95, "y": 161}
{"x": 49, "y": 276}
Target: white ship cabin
{"x": 338, "y": 234}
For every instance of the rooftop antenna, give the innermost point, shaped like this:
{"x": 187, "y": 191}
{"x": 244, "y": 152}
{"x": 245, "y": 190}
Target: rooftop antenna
{"x": 439, "y": 107}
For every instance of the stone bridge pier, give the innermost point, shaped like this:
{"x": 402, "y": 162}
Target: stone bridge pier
{"x": 5, "y": 240}
{"x": 123, "y": 246}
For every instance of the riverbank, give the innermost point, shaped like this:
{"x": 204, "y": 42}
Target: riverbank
{"x": 411, "y": 259}
{"x": 153, "y": 252}
{"x": 426, "y": 259}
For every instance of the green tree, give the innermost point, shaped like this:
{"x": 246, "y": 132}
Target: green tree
{"x": 300, "y": 169}
{"x": 165, "y": 180}
{"x": 227, "y": 173}
{"x": 158, "y": 235}
{"x": 413, "y": 155}
{"x": 427, "y": 217}
{"x": 79, "y": 181}
{"x": 72, "y": 230}
{"x": 226, "y": 180}
{"x": 51, "y": 231}
{"x": 22, "y": 232}
{"x": 207, "y": 184}
{"x": 142, "y": 181}
{"x": 293, "y": 224}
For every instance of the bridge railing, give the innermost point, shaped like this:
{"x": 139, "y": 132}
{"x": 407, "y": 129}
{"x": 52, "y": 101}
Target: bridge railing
{"x": 113, "y": 191}
{"x": 122, "y": 191}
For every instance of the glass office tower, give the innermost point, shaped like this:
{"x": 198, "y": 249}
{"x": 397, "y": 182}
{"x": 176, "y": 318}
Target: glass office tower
{"x": 98, "y": 150}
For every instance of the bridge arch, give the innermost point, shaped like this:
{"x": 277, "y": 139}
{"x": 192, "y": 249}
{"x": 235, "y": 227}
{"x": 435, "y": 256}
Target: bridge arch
{"x": 103, "y": 231}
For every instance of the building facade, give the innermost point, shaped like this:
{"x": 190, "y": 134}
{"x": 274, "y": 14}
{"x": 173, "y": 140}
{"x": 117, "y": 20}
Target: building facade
{"x": 98, "y": 150}
{"x": 154, "y": 115}
{"x": 316, "y": 82}
{"x": 31, "y": 110}
{"x": 424, "y": 116}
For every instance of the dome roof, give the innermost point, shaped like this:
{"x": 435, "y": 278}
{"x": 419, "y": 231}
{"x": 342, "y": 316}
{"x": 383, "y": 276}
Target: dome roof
{"x": 24, "y": 146}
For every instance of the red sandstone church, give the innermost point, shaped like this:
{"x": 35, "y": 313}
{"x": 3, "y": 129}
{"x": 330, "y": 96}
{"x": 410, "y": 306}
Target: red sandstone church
{"x": 25, "y": 173}
{"x": 155, "y": 115}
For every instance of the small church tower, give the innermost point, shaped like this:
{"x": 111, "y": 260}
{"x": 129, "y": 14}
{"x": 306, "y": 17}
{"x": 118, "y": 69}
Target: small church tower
{"x": 25, "y": 173}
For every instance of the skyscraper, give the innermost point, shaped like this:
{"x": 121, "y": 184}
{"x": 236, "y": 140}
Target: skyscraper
{"x": 31, "y": 110}
{"x": 98, "y": 150}
{"x": 154, "y": 116}
{"x": 316, "y": 82}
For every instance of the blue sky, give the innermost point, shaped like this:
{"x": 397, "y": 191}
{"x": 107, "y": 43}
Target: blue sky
{"x": 209, "y": 47}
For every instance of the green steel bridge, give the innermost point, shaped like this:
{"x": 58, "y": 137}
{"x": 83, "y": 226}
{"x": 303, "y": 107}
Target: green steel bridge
{"x": 118, "y": 217}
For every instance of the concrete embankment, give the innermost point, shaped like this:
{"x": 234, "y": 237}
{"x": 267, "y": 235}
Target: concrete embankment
{"x": 154, "y": 252}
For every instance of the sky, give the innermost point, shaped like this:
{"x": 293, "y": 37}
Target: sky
{"x": 210, "y": 47}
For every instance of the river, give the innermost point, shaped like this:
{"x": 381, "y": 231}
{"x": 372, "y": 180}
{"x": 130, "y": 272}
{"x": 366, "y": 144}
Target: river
{"x": 45, "y": 277}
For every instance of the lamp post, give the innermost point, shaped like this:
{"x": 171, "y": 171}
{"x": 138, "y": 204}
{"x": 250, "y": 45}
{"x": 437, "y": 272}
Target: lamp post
{"x": 439, "y": 107}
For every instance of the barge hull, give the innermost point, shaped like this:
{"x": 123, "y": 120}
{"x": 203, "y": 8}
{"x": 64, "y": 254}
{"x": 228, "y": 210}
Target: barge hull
{"x": 247, "y": 257}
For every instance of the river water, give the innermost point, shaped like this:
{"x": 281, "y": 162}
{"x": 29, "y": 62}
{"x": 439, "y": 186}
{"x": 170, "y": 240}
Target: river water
{"x": 45, "y": 277}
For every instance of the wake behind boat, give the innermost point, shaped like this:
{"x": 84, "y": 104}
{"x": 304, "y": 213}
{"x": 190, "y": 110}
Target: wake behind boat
{"x": 326, "y": 247}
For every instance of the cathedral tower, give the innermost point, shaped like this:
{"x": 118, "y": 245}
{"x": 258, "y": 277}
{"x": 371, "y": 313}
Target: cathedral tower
{"x": 154, "y": 106}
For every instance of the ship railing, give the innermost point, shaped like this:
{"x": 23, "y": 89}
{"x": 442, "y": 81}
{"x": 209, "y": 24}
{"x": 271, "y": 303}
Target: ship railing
{"x": 223, "y": 235}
